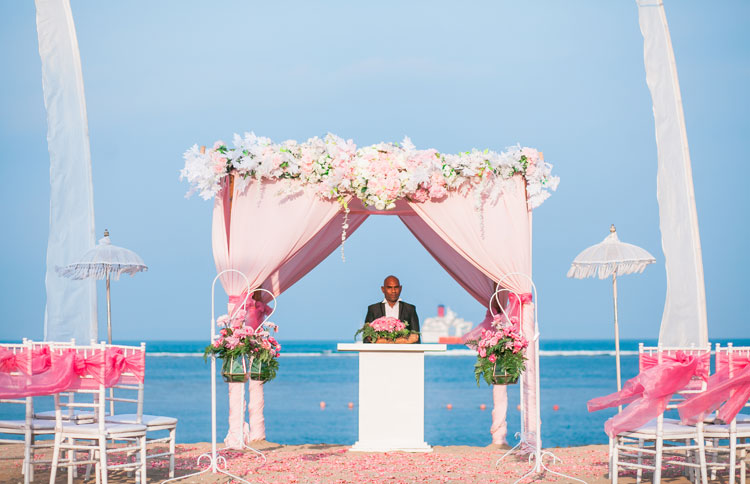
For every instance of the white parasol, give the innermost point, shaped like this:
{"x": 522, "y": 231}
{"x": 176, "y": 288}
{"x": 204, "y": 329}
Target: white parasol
{"x": 610, "y": 258}
{"x": 105, "y": 261}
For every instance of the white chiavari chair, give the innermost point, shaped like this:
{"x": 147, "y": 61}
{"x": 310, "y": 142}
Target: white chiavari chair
{"x": 27, "y": 428}
{"x": 129, "y": 390}
{"x": 100, "y": 439}
{"x": 736, "y": 433}
{"x": 662, "y": 440}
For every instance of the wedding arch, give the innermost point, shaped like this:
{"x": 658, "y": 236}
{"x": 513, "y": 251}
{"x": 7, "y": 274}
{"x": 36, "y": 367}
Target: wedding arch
{"x": 471, "y": 211}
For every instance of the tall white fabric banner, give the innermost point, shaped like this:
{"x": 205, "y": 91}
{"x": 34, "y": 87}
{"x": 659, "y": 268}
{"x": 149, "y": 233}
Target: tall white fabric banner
{"x": 71, "y": 305}
{"x": 684, "y": 321}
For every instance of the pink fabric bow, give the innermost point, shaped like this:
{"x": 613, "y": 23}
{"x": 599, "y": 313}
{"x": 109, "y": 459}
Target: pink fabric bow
{"x": 10, "y": 361}
{"x": 92, "y": 365}
{"x": 255, "y": 311}
{"x": 648, "y": 392}
{"x": 725, "y": 393}
{"x": 118, "y": 363}
{"x": 58, "y": 377}
{"x": 513, "y": 311}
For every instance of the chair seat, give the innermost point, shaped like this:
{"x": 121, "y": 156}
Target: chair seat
{"x": 671, "y": 429}
{"x": 719, "y": 431}
{"x": 109, "y": 428}
{"x": 147, "y": 420}
{"x": 36, "y": 424}
{"x": 77, "y": 415}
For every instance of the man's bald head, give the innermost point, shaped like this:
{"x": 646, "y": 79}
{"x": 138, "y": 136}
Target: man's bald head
{"x": 391, "y": 289}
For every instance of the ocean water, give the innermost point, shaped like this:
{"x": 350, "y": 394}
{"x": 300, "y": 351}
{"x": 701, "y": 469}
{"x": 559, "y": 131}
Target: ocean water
{"x": 572, "y": 372}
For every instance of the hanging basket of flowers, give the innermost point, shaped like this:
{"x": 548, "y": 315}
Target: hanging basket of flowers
{"x": 234, "y": 369}
{"x": 501, "y": 376}
{"x": 246, "y": 353}
{"x": 500, "y": 355}
{"x": 387, "y": 330}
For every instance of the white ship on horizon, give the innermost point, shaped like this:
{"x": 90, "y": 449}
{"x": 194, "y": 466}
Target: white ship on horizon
{"x": 446, "y": 327}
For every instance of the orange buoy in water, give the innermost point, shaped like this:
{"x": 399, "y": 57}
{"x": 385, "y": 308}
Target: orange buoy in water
{"x": 482, "y": 406}
{"x": 555, "y": 407}
{"x": 449, "y": 406}
{"x": 518, "y": 407}
{"x": 351, "y": 405}
{"x": 322, "y": 405}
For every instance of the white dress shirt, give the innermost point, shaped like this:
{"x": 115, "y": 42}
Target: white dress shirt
{"x": 392, "y": 312}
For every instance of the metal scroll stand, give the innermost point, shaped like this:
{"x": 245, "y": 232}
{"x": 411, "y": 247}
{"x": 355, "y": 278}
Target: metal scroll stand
{"x": 217, "y": 463}
{"x": 536, "y": 458}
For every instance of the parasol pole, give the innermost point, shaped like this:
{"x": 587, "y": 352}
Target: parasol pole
{"x": 617, "y": 336}
{"x": 109, "y": 310}
{"x": 617, "y": 327}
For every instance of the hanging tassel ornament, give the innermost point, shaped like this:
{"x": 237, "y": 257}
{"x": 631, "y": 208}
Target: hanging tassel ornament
{"x": 344, "y": 226}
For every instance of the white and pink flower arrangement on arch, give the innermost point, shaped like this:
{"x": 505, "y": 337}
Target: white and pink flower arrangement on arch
{"x": 379, "y": 175}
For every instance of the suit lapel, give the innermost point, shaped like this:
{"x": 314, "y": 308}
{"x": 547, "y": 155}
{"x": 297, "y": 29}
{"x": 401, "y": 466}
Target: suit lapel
{"x": 401, "y": 308}
{"x": 382, "y": 310}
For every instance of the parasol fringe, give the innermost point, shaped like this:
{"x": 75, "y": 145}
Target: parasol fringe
{"x": 97, "y": 271}
{"x": 605, "y": 270}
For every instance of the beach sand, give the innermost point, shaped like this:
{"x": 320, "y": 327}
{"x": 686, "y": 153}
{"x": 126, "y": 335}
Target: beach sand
{"x": 328, "y": 464}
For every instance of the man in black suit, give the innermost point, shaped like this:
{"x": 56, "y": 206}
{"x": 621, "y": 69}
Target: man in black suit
{"x": 393, "y": 306}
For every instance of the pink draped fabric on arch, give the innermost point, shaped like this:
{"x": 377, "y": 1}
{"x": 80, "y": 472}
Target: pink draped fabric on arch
{"x": 474, "y": 250}
{"x": 499, "y": 246}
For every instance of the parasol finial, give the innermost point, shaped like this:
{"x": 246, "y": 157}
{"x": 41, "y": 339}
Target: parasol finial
{"x": 106, "y": 232}
{"x": 612, "y": 229}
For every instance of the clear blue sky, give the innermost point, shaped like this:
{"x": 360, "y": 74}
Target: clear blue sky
{"x": 564, "y": 77}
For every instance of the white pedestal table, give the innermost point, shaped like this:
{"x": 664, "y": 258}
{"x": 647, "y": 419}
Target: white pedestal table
{"x": 391, "y": 396}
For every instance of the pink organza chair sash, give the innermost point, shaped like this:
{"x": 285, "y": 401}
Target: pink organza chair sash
{"x": 11, "y": 361}
{"x": 58, "y": 377}
{"x": 69, "y": 369}
{"x": 649, "y": 392}
{"x": 106, "y": 367}
{"x": 725, "y": 393}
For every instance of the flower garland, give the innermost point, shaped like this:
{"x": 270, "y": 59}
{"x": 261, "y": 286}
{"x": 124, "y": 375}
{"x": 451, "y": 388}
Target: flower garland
{"x": 379, "y": 175}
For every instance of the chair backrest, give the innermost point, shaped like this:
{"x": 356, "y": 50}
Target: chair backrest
{"x": 129, "y": 388}
{"x": 733, "y": 358}
{"x": 10, "y": 351}
{"x": 649, "y": 356}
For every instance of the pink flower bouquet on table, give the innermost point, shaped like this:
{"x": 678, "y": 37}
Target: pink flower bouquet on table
{"x": 387, "y": 330}
{"x": 500, "y": 358}
{"x": 236, "y": 344}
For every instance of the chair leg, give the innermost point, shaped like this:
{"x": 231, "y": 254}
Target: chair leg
{"x": 55, "y": 459}
{"x": 172, "y": 441}
{"x": 88, "y": 466}
{"x": 702, "y": 459}
{"x": 614, "y": 459}
{"x": 103, "y": 459}
{"x": 657, "y": 460}
{"x": 143, "y": 459}
{"x": 639, "y": 471}
{"x": 732, "y": 457}
{"x": 26, "y": 468}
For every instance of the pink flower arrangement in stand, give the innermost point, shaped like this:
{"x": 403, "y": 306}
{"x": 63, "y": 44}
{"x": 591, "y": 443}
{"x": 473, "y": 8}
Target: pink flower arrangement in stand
{"x": 236, "y": 342}
{"x": 391, "y": 330}
{"x": 500, "y": 353}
